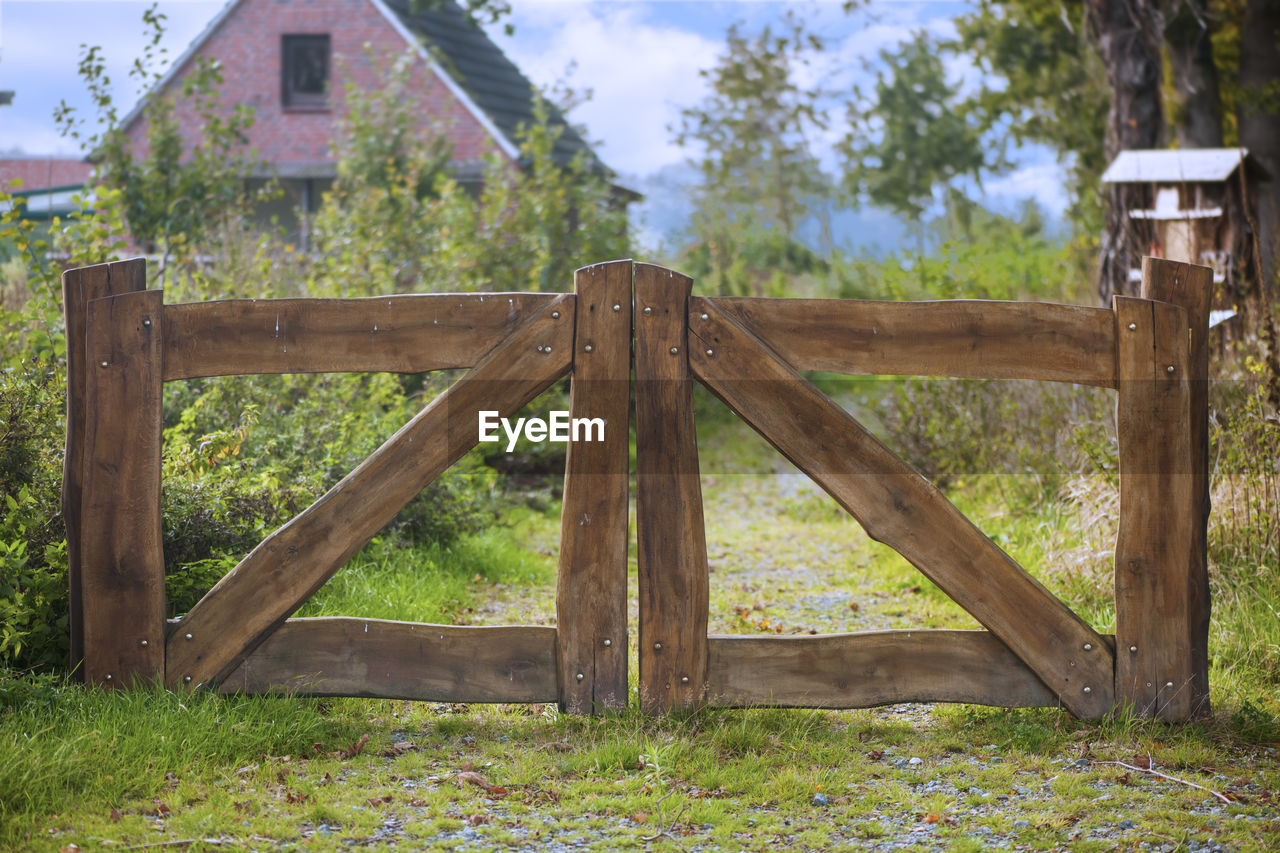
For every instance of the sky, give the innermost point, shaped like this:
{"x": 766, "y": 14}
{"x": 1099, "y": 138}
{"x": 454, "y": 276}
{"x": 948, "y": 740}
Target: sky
{"x": 639, "y": 59}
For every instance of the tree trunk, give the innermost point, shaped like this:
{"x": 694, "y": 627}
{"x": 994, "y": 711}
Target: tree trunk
{"x": 1197, "y": 115}
{"x": 1126, "y": 36}
{"x": 1259, "y": 122}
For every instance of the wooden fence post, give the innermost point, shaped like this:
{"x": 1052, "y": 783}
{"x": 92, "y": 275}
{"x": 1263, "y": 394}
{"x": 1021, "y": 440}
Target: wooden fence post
{"x": 79, "y": 286}
{"x": 591, "y": 593}
{"x": 122, "y": 558}
{"x": 1155, "y": 671}
{"x": 671, "y": 541}
{"x": 1190, "y": 287}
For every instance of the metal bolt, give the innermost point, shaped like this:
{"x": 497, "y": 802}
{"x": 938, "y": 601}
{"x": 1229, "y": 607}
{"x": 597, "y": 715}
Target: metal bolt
{"x": 684, "y": 679}
{"x": 555, "y": 315}
{"x": 538, "y": 347}
{"x": 1088, "y": 690}
{"x": 144, "y": 644}
{"x": 657, "y": 647}
{"x": 704, "y": 316}
{"x": 648, "y": 310}
{"x": 711, "y": 352}
{"x": 108, "y": 676}
{"x": 588, "y": 348}
{"x": 1148, "y": 683}
{"x": 1168, "y": 685}
{"x": 104, "y": 364}
{"x": 546, "y": 350}
{"x": 675, "y": 350}
{"x": 146, "y": 321}
{"x": 188, "y": 636}
{"x": 608, "y": 642}
{"x": 186, "y": 679}
{"x": 1088, "y": 647}
{"x": 617, "y": 307}
{"x": 1169, "y": 369}
{"x": 1133, "y": 650}
{"x": 1133, "y": 327}
{"x": 581, "y": 676}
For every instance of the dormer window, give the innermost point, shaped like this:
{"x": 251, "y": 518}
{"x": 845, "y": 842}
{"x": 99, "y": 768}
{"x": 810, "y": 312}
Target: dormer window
{"x": 305, "y": 83}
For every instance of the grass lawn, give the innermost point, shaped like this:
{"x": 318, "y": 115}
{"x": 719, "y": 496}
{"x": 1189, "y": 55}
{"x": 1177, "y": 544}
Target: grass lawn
{"x": 156, "y": 770}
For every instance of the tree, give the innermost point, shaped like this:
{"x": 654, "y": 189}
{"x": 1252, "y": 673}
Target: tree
{"x": 913, "y": 137}
{"x": 1258, "y": 118}
{"x": 759, "y": 176}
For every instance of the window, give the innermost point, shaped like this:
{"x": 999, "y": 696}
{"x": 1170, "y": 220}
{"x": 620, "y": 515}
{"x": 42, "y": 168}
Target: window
{"x": 306, "y": 72}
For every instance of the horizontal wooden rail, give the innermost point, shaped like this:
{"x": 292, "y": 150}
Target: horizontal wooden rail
{"x": 964, "y": 338}
{"x": 394, "y": 334}
{"x": 343, "y": 656}
{"x": 871, "y": 668}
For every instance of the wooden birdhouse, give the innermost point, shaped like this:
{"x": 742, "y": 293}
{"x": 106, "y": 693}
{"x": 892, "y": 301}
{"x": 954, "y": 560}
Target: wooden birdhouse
{"x": 1201, "y": 209}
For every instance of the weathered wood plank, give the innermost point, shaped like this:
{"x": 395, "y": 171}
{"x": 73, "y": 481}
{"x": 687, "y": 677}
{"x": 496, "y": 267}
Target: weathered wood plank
{"x": 1158, "y": 509}
{"x": 969, "y": 338}
{"x": 342, "y": 656}
{"x": 671, "y": 541}
{"x": 591, "y": 593}
{"x": 871, "y": 668}
{"x": 1190, "y": 287}
{"x": 79, "y": 287}
{"x": 294, "y": 561}
{"x": 122, "y": 558}
{"x": 395, "y": 334}
{"x": 900, "y": 508}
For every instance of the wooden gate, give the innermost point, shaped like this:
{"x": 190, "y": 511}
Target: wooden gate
{"x": 123, "y": 343}
{"x": 1035, "y": 650}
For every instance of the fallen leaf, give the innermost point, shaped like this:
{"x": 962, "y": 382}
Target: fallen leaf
{"x": 478, "y": 819}
{"x": 558, "y": 746}
{"x": 932, "y": 817}
{"x": 327, "y": 780}
{"x": 855, "y": 606}
{"x": 915, "y": 590}
{"x": 296, "y": 797}
{"x": 70, "y": 848}
{"x": 241, "y": 805}
{"x": 246, "y": 770}
{"x": 353, "y": 750}
{"x": 875, "y": 754}
{"x": 1142, "y": 761}
{"x": 377, "y": 801}
{"x": 400, "y": 747}
{"x": 640, "y": 817}
{"x": 418, "y": 803}
{"x": 116, "y": 815}
{"x": 470, "y": 777}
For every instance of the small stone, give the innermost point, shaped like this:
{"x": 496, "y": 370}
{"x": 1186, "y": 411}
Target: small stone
{"x": 821, "y": 800}
{"x": 1127, "y": 824}
{"x": 914, "y": 761}
{"x": 1021, "y": 824}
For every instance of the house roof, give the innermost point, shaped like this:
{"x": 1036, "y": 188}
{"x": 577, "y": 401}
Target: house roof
{"x": 466, "y": 59}
{"x": 492, "y": 81}
{"x": 1177, "y": 166}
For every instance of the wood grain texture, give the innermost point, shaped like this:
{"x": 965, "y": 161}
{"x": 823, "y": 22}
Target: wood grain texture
{"x": 591, "y": 591}
{"x": 342, "y": 656}
{"x": 671, "y": 540}
{"x": 970, "y": 338}
{"x": 79, "y": 287}
{"x": 871, "y": 668}
{"x": 395, "y": 334}
{"x": 1190, "y": 287}
{"x": 122, "y": 558}
{"x": 294, "y": 561}
{"x": 1158, "y": 509}
{"x": 900, "y": 508}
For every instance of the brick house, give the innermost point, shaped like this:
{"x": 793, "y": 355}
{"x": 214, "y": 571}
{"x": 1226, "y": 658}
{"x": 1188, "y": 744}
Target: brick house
{"x": 291, "y": 59}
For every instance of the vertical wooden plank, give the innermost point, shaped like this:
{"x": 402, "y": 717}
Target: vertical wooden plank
{"x": 122, "y": 560}
{"x": 672, "y": 549}
{"x": 79, "y": 286}
{"x": 1190, "y": 287}
{"x": 1154, "y": 667}
{"x": 591, "y": 594}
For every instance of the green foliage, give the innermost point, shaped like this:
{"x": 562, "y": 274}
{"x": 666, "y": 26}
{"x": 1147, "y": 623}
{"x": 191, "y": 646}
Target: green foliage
{"x": 175, "y": 186}
{"x": 1052, "y": 87}
{"x": 912, "y": 137}
{"x": 760, "y": 178}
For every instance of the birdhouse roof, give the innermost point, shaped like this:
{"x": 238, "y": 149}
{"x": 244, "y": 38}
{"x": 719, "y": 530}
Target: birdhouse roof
{"x": 1195, "y": 165}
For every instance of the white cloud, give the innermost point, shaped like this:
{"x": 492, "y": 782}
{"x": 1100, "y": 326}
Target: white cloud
{"x": 1046, "y": 182}
{"x": 641, "y": 73}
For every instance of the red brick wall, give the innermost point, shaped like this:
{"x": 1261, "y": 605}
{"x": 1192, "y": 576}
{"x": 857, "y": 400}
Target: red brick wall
{"x": 37, "y": 173}
{"x": 248, "y": 45}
